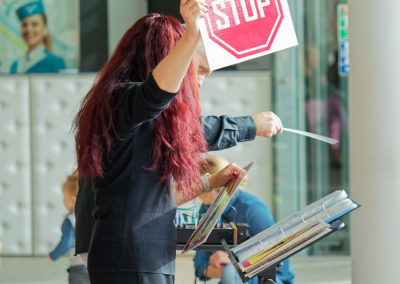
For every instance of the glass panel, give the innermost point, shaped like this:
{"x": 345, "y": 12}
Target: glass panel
{"x": 310, "y": 95}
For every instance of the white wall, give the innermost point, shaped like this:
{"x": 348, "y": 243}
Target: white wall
{"x": 121, "y": 14}
{"x": 37, "y": 149}
{"x": 15, "y": 172}
{"x": 37, "y": 152}
{"x": 374, "y": 139}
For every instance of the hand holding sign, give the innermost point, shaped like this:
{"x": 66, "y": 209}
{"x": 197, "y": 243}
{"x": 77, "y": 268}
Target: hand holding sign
{"x": 239, "y": 30}
{"x": 191, "y": 10}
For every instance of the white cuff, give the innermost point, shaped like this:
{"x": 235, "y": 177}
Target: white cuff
{"x": 206, "y": 183}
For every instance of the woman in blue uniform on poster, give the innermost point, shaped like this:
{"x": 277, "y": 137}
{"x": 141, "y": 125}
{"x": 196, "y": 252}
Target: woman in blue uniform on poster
{"x": 35, "y": 33}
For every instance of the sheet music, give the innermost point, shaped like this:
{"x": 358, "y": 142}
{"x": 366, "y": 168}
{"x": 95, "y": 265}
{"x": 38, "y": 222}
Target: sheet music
{"x": 285, "y": 254}
{"x": 292, "y": 234}
{"x": 294, "y": 219}
{"x": 326, "y": 209}
{"x": 215, "y": 211}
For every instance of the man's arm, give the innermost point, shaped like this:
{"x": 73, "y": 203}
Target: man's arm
{"x": 222, "y": 132}
{"x": 217, "y": 262}
{"x": 213, "y": 272}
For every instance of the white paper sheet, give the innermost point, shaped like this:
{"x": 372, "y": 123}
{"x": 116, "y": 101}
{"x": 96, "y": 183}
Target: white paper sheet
{"x": 313, "y": 135}
{"x": 215, "y": 211}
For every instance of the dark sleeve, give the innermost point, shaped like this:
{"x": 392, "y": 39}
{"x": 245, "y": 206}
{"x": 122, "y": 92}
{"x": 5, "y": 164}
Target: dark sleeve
{"x": 84, "y": 221}
{"x": 285, "y": 273}
{"x": 139, "y": 102}
{"x": 66, "y": 242}
{"x": 222, "y": 132}
{"x": 201, "y": 262}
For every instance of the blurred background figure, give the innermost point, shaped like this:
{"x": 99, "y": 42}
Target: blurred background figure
{"x": 34, "y": 31}
{"x": 77, "y": 272}
{"x": 328, "y": 110}
{"x": 243, "y": 208}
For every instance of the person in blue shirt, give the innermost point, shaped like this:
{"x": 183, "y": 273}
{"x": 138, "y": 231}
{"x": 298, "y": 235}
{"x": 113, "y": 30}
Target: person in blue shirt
{"x": 35, "y": 33}
{"x": 243, "y": 208}
{"x": 77, "y": 272}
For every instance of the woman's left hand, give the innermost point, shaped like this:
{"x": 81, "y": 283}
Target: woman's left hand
{"x": 225, "y": 175}
{"x": 191, "y": 11}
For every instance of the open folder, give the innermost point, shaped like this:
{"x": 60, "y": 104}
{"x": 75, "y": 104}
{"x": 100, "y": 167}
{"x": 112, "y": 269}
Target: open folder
{"x": 215, "y": 211}
{"x": 292, "y": 234}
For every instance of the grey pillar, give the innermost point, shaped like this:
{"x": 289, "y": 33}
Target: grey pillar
{"x": 374, "y": 106}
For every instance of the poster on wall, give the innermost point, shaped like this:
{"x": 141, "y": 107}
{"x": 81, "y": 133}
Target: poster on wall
{"x": 39, "y": 36}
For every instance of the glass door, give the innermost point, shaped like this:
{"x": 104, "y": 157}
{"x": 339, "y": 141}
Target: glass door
{"x": 310, "y": 93}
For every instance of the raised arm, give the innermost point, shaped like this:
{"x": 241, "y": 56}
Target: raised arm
{"x": 179, "y": 58}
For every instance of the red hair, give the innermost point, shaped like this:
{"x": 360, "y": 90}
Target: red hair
{"x": 178, "y": 137}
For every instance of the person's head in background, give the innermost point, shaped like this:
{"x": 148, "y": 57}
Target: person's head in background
{"x": 70, "y": 190}
{"x": 201, "y": 63}
{"x": 34, "y": 30}
{"x": 178, "y": 141}
{"x": 213, "y": 165}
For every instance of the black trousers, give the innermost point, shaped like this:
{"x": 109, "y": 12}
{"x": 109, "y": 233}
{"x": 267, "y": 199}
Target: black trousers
{"x": 129, "y": 278}
{"x": 78, "y": 274}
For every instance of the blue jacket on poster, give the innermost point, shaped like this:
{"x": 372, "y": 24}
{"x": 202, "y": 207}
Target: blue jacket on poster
{"x": 39, "y": 61}
{"x": 251, "y": 210}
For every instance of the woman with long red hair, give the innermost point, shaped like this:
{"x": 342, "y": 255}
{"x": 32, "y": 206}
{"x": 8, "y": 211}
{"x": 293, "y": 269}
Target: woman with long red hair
{"x": 138, "y": 128}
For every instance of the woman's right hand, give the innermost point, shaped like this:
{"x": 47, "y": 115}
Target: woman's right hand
{"x": 178, "y": 60}
{"x": 192, "y": 11}
{"x": 267, "y": 123}
{"x": 225, "y": 175}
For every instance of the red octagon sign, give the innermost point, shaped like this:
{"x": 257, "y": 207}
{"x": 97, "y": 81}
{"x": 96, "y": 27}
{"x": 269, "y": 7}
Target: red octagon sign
{"x": 244, "y": 27}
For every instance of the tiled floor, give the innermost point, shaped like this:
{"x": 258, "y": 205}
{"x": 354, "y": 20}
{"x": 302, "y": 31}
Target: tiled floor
{"x": 308, "y": 270}
{"x": 39, "y": 270}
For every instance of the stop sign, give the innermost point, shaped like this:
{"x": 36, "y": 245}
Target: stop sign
{"x": 244, "y": 27}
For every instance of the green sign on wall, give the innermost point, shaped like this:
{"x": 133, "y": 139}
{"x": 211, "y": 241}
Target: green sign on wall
{"x": 343, "y": 22}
